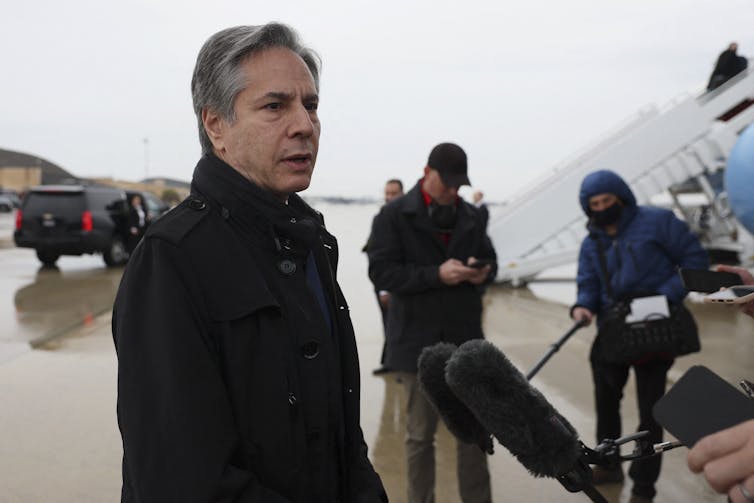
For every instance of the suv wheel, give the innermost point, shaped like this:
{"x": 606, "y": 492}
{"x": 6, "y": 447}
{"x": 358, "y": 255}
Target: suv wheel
{"x": 115, "y": 255}
{"x": 47, "y": 257}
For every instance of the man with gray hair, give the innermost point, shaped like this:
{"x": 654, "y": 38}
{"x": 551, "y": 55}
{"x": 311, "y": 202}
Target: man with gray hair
{"x": 238, "y": 376}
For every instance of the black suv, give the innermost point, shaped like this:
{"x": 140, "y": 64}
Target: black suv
{"x": 60, "y": 220}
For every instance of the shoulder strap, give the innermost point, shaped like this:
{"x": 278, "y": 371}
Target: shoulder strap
{"x": 603, "y": 266}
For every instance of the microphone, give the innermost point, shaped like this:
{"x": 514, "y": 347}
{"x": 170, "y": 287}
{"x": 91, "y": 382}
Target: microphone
{"x": 501, "y": 401}
{"x": 517, "y": 414}
{"x": 457, "y": 417}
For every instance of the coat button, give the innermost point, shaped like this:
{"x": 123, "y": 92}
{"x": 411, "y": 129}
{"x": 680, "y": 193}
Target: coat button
{"x": 225, "y": 213}
{"x": 310, "y": 350}
{"x": 197, "y": 204}
{"x": 287, "y": 267}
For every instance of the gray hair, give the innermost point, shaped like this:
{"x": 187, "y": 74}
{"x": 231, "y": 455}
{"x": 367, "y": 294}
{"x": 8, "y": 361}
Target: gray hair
{"x": 218, "y": 78}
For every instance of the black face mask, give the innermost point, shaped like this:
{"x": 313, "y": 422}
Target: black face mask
{"x": 608, "y": 216}
{"x": 443, "y": 215}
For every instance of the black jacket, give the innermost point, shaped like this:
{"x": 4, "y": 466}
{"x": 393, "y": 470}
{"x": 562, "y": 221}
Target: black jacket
{"x": 233, "y": 384}
{"x": 729, "y": 64}
{"x": 405, "y": 254}
{"x": 484, "y": 213}
{"x": 135, "y": 221}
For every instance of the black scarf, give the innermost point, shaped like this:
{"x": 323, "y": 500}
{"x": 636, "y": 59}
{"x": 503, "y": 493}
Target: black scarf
{"x": 443, "y": 215}
{"x": 294, "y": 227}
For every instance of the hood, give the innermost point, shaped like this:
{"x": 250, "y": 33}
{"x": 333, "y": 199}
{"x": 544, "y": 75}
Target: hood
{"x": 601, "y": 182}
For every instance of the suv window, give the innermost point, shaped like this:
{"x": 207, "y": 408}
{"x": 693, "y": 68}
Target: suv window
{"x": 102, "y": 200}
{"x": 56, "y": 203}
{"x": 154, "y": 205}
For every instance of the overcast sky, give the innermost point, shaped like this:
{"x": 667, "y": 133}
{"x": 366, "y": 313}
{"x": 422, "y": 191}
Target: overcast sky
{"x": 519, "y": 85}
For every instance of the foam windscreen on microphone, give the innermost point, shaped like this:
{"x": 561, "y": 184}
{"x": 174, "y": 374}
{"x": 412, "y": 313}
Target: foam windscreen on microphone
{"x": 457, "y": 417}
{"x": 518, "y": 415}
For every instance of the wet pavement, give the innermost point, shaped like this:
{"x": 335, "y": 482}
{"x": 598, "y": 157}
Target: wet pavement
{"x": 59, "y": 440}
{"x": 523, "y": 326}
{"x": 58, "y": 432}
{"x": 39, "y": 304}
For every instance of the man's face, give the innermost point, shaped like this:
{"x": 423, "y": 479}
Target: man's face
{"x": 275, "y": 136}
{"x": 392, "y": 190}
{"x": 602, "y": 201}
{"x": 436, "y": 188}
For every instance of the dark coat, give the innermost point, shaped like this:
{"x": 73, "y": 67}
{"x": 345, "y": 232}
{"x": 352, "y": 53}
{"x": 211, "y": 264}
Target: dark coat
{"x": 484, "y": 213}
{"x": 232, "y": 384}
{"x": 644, "y": 255}
{"x": 729, "y": 64}
{"x": 134, "y": 221}
{"x": 405, "y": 255}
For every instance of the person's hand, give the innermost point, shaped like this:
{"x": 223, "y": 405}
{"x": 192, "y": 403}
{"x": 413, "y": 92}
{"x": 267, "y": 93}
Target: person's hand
{"x": 452, "y": 272}
{"x": 748, "y": 308}
{"x": 479, "y": 275}
{"x": 747, "y": 278}
{"x": 384, "y": 298}
{"x": 727, "y": 460}
{"x": 134, "y": 231}
{"x": 582, "y": 314}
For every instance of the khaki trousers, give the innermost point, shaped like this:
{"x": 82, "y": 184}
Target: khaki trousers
{"x": 421, "y": 425}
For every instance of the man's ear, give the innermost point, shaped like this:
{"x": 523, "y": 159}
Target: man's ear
{"x": 426, "y": 170}
{"x": 214, "y": 125}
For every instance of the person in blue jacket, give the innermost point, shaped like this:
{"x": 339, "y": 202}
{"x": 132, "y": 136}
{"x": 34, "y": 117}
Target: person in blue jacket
{"x": 642, "y": 248}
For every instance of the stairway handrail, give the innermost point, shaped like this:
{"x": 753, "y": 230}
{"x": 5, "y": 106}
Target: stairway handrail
{"x": 640, "y": 117}
{"x": 577, "y": 158}
{"x": 705, "y": 96}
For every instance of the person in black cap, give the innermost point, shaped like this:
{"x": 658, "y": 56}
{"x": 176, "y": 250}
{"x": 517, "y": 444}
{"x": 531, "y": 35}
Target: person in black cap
{"x": 431, "y": 252}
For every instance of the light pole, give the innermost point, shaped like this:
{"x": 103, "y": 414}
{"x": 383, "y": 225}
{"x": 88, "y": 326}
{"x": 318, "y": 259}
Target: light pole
{"x": 146, "y": 158}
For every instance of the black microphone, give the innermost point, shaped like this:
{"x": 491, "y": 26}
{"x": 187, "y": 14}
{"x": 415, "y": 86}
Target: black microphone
{"x": 458, "y": 418}
{"x": 517, "y": 414}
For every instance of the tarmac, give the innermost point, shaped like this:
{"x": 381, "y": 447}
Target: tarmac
{"x": 59, "y": 440}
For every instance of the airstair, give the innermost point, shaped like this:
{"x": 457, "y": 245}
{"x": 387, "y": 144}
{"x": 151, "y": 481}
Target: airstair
{"x": 660, "y": 152}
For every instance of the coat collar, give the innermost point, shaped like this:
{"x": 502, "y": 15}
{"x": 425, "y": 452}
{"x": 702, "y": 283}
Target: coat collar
{"x": 249, "y": 205}
{"x": 245, "y": 217}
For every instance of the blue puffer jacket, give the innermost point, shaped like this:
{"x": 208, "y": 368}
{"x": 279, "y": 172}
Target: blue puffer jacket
{"x": 642, "y": 258}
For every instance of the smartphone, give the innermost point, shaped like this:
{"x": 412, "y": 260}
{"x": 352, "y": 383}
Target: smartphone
{"x": 701, "y": 403}
{"x": 738, "y": 294}
{"x": 704, "y": 280}
{"x": 481, "y": 262}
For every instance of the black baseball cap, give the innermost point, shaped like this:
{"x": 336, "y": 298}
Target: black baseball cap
{"x": 450, "y": 162}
